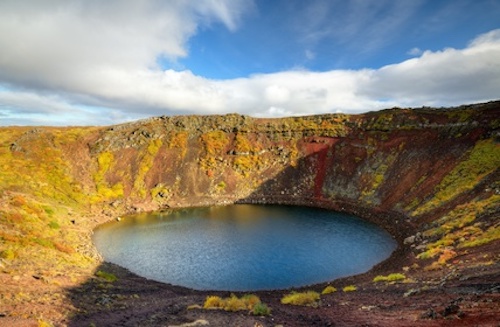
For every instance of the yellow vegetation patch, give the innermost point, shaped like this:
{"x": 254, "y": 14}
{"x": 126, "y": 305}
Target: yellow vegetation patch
{"x": 329, "y": 289}
{"x": 389, "y": 278}
{"x": 233, "y": 303}
{"x": 308, "y": 298}
{"x": 458, "y": 229}
{"x": 349, "y": 288}
{"x": 483, "y": 159}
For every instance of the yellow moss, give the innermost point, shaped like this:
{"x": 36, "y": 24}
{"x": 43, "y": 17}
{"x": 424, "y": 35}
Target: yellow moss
{"x": 44, "y": 323}
{"x": 377, "y": 176}
{"x": 213, "y": 302}
{"x": 349, "y": 288}
{"x": 247, "y": 164}
{"x": 389, "y": 278}
{"x": 233, "y": 303}
{"x": 154, "y": 146}
{"x": 179, "y": 140}
{"x": 329, "y": 289}
{"x": 104, "y": 191}
{"x": 105, "y": 159}
{"x": 483, "y": 159}
{"x": 308, "y": 298}
{"x": 458, "y": 230}
{"x": 481, "y": 238}
{"x": 146, "y": 163}
{"x": 214, "y": 144}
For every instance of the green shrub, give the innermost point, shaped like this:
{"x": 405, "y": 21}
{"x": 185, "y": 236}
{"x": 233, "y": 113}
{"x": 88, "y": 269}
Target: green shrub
{"x": 309, "y": 298}
{"x": 251, "y": 300}
{"x": 261, "y": 309}
{"x": 109, "y": 277}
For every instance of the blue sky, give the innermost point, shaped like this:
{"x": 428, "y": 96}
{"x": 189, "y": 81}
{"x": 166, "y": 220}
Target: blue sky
{"x": 86, "y": 62}
{"x": 282, "y": 35}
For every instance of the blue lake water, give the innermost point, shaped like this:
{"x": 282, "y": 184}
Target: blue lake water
{"x": 244, "y": 247}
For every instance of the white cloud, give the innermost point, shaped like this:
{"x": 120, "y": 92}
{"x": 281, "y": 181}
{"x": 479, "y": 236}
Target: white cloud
{"x": 447, "y": 77}
{"x": 415, "y": 52}
{"x": 79, "y": 58}
{"x": 72, "y": 44}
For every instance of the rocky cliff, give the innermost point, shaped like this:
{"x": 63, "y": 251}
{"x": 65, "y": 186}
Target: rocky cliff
{"x": 429, "y": 176}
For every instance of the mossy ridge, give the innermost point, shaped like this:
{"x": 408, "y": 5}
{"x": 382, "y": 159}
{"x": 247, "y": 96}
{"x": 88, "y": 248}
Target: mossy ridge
{"x": 483, "y": 159}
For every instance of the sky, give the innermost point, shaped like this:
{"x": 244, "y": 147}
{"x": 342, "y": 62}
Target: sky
{"x": 93, "y": 62}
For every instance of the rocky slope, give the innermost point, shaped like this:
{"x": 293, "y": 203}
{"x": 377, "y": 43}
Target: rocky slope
{"x": 429, "y": 176}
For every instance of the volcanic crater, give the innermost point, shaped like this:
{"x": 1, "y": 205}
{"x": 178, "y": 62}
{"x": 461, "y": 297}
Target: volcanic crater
{"x": 428, "y": 176}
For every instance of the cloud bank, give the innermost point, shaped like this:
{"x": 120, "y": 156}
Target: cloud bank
{"x": 92, "y": 62}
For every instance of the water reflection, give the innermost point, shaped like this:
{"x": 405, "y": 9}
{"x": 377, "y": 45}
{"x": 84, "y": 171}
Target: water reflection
{"x": 244, "y": 247}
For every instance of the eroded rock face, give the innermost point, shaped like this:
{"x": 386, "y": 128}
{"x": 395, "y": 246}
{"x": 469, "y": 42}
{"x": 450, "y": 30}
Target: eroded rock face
{"x": 394, "y": 160}
{"x": 419, "y": 163}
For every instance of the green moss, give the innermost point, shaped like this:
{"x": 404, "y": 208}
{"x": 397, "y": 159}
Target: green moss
{"x": 109, "y": 277}
{"x": 54, "y": 225}
{"x": 43, "y": 242}
{"x": 221, "y": 186}
{"x": 48, "y": 210}
{"x": 261, "y": 309}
